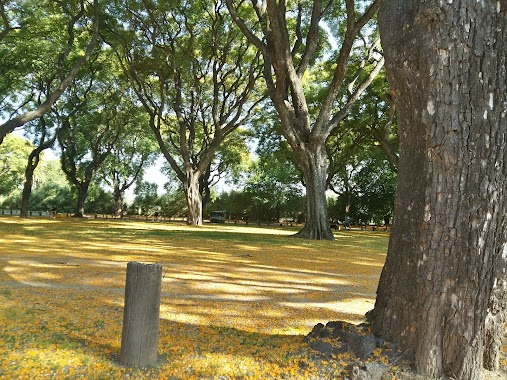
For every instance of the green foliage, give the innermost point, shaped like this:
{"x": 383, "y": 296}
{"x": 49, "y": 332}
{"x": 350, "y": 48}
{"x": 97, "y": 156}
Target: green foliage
{"x": 96, "y": 116}
{"x": 194, "y": 75}
{"x": 145, "y": 197}
{"x": 376, "y": 184}
{"x": 51, "y": 191}
{"x": 194, "y": 45}
{"x": 232, "y": 158}
{"x": 272, "y": 186}
{"x": 31, "y": 50}
{"x": 99, "y": 200}
{"x": 238, "y": 205}
{"x": 41, "y": 41}
{"x": 52, "y": 195}
{"x": 50, "y": 171}
{"x": 365, "y": 187}
{"x": 14, "y": 152}
{"x": 272, "y": 192}
{"x": 362, "y": 172}
{"x": 369, "y": 118}
{"x": 272, "y": 182}
{"x": 174, "y": 204}
{"x": 134, "y": 150}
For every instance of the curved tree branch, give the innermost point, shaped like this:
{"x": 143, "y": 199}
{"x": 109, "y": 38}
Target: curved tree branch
{"x": 20, "y": 120}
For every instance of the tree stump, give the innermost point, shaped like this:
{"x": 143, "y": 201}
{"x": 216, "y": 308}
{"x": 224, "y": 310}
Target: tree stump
{"x": 141, "y": 315}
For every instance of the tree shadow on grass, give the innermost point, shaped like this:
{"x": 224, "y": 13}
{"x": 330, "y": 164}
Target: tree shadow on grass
{"x": 56, "y": 332}
{"x": 225, "y": 299}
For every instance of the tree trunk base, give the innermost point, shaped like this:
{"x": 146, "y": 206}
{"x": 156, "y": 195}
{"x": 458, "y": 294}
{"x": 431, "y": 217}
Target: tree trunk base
{"x": 314, "y": 234}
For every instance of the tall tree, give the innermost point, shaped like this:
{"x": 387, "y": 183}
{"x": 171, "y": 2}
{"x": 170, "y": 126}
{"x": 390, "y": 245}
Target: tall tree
{"x": 44, "y": 140}
{"x": 43, "y": 136}
{"x": 83, "y": 150}
{"x": 37, "y": 37}
{"x": 443, "y": 287}
{"x": 290, "y": 39}
{"x": 92, "y": 119}
{"x": 194, "y": 74}
{"x": 133, "y": 152}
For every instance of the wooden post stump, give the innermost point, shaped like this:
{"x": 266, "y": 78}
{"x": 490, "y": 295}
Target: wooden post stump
{"x": 141, "y": 313}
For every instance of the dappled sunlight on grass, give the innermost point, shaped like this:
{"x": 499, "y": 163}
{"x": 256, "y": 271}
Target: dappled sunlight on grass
{"x": 236, "y": 300}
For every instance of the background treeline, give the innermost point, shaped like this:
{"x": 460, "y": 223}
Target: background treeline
{"x": 267, "y": 189}
{"x": 110, "y": 88}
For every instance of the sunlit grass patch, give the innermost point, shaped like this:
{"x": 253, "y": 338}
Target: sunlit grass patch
{"x": 236, "y": 300}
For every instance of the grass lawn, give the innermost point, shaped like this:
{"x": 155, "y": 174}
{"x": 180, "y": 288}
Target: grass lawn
{"x": 236, "y": 300}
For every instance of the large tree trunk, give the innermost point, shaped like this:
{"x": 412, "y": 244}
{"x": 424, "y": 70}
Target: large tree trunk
{"x": 118, "y": 202}
{"x": 194, "y": 201}
{"x": 33, "y": 162}
{"x": 27, "y": 191}
{"x": 285, "y": 66}
{"x": 82, "y": 194}
{"x": 313, "y": 162}
{"x": 447, "y": 68}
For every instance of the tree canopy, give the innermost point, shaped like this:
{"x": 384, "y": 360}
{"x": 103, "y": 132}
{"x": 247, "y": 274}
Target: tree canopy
{"x": 200, "y": 81}
{"x": 45, "y": 42}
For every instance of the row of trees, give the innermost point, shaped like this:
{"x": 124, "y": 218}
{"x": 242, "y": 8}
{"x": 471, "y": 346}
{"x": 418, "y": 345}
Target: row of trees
{"x": 51, "y": 188}
{"x": 196, "y": 74}
{"x": 267, "y": 190}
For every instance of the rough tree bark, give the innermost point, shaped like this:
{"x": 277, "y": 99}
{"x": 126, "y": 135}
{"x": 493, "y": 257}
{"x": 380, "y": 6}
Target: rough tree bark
{"x": 495, "y": 321}
{"x": 33, "y": 162}
{"x": 445, "y": 269}
{"x": 314, "y": 165}
{"x": 194, "y": 200}
{"x": 82, "y": 194}
{"x": 118, "y": 202}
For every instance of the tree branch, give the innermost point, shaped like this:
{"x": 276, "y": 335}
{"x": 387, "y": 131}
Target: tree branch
{"x": 323, "y": 125}
{"x": 355, "y": 95}
{"x": 312, "y": 38}
{"x": 20, "y": 120}
{"x": 252, "y": 38}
